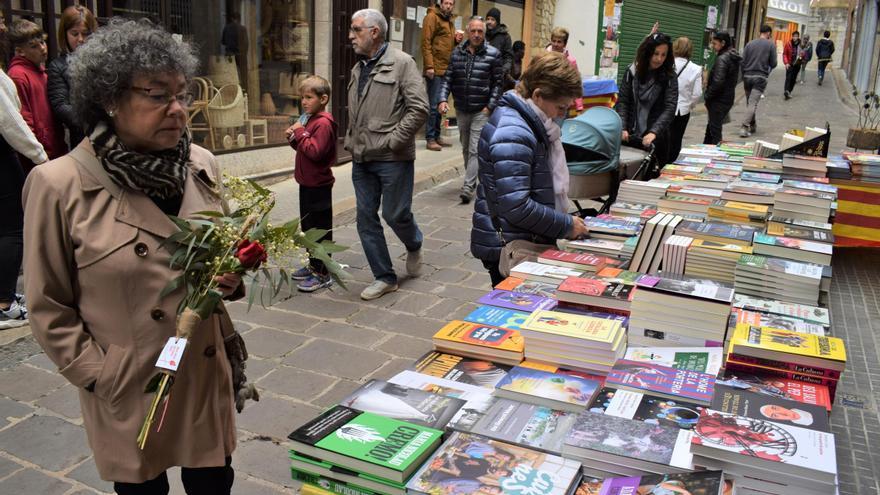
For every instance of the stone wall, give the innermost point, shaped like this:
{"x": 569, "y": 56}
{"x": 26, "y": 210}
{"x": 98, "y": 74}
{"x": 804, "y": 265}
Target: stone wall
{"x": 542, "y": 24}
{"x": 833, "y": 19}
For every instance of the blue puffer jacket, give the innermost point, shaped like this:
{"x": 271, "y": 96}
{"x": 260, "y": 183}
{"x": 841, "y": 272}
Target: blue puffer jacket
{"x": 515, "y": 182}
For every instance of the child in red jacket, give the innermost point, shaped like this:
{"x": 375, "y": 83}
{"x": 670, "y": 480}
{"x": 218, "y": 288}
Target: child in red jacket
{"x": 314, "y": 139}
{"x": 29, "y": 74}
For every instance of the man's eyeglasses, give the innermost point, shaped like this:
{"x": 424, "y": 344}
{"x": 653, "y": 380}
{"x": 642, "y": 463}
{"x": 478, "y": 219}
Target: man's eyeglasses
{"x": 358, "y": 29}
{"x": 160, "y": 97}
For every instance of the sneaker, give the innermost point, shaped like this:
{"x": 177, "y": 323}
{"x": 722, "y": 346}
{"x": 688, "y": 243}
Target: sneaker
{"x": 465, "y": 198}
{"x": 314, "y": 283}
{"x": 15, "y": 316}
{"x": 377, "y": 289}
{"x": 444, "y": 144}
{"x": 787, "y": 95}
{"x": 744, "y": 132}
{"x": 302, "y": 274}
{"x": 414, "y": 262}
{"x": 20, "y": 298}
{"x": 433, "y": 146}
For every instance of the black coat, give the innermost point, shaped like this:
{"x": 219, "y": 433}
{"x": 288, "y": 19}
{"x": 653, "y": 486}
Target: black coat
{"x": 721, "y": 89}
{"x": 661, "y": 113}
{"x": 473, "y": 79}
{"x": 59, "y": 98}
{"x": 500, "y": 39}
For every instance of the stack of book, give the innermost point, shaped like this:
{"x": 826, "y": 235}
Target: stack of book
{"x": 757, "y": 319}
{"x": 700, "y": 482}
{"x": 542, "y": 272}
{"x": 675, "y": 254}
{"x": 583, "y": 262}
{"x": 719, "y": 168}
{"x": 408, "y": 404}
{"x": 596, "y": 294}
{"x": 764, "y": 149}
{"x": 680, "y": 312}
{"x": 776, "y": 386}
{"x": 600, "y": 248}
{"x": 797, "y": 166}
{"x": 804, "y": 312}
{"x": 614, "y": 228}
{"x": 575, "y": 341}
{"x": 544, "y": 388}
{"x": 759, "y": 193}
{"x": 706, "y": 360}
{"x": 802, "y": 204}
{"x": 648, "y": 253}
{"x": 706, "y": 181}
{"x": 864, "y": 166}
{"x": 680, "y": 170}
{"x": 811, "y": 185}
{"x": 759, "y": 163}
{"x": 639, "y": 192}
{"x": 738, "y": 213}
{"x": 724, "y": 233}
{"x": 817, "y": 231}
{"x": 461, "y": 369}
{"x": 662, "y": 381}
{"x": 517, "y": 301}
{"x": 480, "y": 342}
{"x": 777, "y": 278}
{"x": 762, "y": 177}
{"x": 641, "y": 210}
{"x": 690, "y": 208}
{"x": 494, "y": 316}
{"x": 793, "y": 249}
{"x": 839, "y": 168}
{"x": 713, "y": 260}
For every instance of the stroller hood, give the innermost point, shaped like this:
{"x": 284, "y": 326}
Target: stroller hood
{"x": 592, "y": 141}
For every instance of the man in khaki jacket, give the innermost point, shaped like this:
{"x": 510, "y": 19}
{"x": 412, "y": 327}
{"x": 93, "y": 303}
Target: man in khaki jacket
{"x": 438, "y": 40}
{"x": 387, "y": 104}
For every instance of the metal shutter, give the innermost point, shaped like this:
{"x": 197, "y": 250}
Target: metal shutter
{"x": 677, "y": 18}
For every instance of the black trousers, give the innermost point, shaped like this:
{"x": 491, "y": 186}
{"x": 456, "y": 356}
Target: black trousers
{"x": 316, "y": 212}
{"x": 717, "y": 112}
{"x": 11, "y": 222}
{"x": 494, "y": 274}
{"x": 196, "y": 481}
{"x": 791, "y": 75}
{"x": 676, "y": 135}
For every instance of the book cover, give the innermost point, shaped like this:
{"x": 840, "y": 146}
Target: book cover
{"x": 517, "y": 301}
{"x": 480, "y": 335}
{"x": 746, "y": 338}
{"x": 790, "y": 243}
{"x": 651, "y": 377}
{"x": 582, "y": 261}
{"x": 497, "y": 317}
{"x": 646, "y": 407}
{"x": 467, "y": 462}
{"x": 385, "y": 442}
{"x": 614, "y": 225}
{"x": 799, "y": 223}
{"x": 767, "y": 407}
{"x": 610, "y": 274}
{"x": 811, "y": 186}
{"x": 786, "y": 366}
{"x": 477, "y": 399}
{"x": 404, "y": 403}
{"x": 782, "y": 266}
{"x": 734, "y": 366}
{"x": 514, "y": 284}
{"x": 618, "y": 292}
{"x": 314, "y": 484}
{"x": 757, "y": 319}
{"x": 553, "y": 386}
{"x": 811, "y": 314}
{"x": 807, "y": 393}
{"x": 596, "y": 245}
{"x": 735, "y": 233}
{"x": 304, "y": 467}
{"x": 773, "y": 442}
{"x": 694, "y": 288}
{"x": 696, "y": 483}
{"x": 599, "y": 330}
{"x": 763, "y": 177}
{"x": 528, "y": 425}
{"x": 795, "y": 232}
{"x": 702, "y": 359}
{"x": 724, "y": 248}
{"x": 528, "y": 269}
{"x": 461, "y": 369}
{"x": 623, "y": 437}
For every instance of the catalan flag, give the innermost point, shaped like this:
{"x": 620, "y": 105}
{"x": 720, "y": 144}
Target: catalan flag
{"x": 857, "y": 222}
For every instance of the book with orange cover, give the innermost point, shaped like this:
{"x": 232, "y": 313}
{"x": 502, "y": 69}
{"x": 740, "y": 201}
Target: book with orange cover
{"x": 480, "y": 342}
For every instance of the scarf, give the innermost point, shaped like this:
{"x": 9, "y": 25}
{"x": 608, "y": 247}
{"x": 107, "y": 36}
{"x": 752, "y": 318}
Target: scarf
{"x": 558, "y": 164}
{"x": 160, "y": 174}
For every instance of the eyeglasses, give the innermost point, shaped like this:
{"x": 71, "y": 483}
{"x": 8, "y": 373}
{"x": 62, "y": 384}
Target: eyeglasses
{"x": 358, "y": 29}
{"x": 161, "y": 97}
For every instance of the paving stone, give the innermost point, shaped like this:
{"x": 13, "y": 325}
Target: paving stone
{"x": 64, "y": 401}
{"x": 336, "y": 359}
{"x": 393, "y": 367}
{"x": 294, "y": 383}
{"x": 352, "y": 259}
{"x": 346, "y": 332}
{"x": 449, "y": 276}
{"x": 10, "y": 409}
{"x": 26, "y": 383}
{"x": 386, "y": 301}
{"x": 249, "y": 487}
{"x": 273, "y": 417}
{"x": 442, "y": 259}
{"x": 7, "y": 467}
{"x": 369, "y": 317}
{"x": 41, "y": 360}
{"x": 414, "y": 303}
{"x": 281, "y": 320}
{"x": 444, "y": 309}
{"x": 87, "y": 474}
{"x": 405, "y": 347}
{"x": 258, "y": 368}
{"x": 464, "y": 294}
{"x": 319, "y": 307}
{"x": 451, "y": 234}
{"x": 336, "y": 392}
{"x": 414, "y": 326}
{"x": 31, "y": 481}
{"x": 271, "y": 343}
{"x": 30, "y": 440}
{"x": 264, "y": 460}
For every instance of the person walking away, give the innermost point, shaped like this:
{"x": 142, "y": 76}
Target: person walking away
{"x": 523, "y": 191}
{"x": 497, "y": 36}
{"x": 15, "y": 137}
{"x": 648, "y": 97}
{"x": 759, "y": 59}
{"x": 805, "y": 54}
{"x": 438, "y": 40}
{"x": 474, "y": 78}
{"x": 824, "y": 51}
{"x": 558, "y": 43}
{"x": 690, "y": 89}
{"x": 519, "y": 51}
{"x": 76, "y": 25}
{"x": 313, "y": 137}
{"x": 387, "y": 105}
{"x": 29, "y": 74}
{"x": 721, "y": 88}
{"x": 791, "y": 62}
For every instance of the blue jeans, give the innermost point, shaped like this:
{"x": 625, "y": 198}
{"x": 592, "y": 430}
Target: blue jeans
{"x": 432, "y": 126}
{"x": 391, "y": 185}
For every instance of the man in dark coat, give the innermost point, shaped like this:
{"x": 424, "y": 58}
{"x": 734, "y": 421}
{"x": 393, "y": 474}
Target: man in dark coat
{"x": 721, "y": 90}
{"x": 497, "y": 36}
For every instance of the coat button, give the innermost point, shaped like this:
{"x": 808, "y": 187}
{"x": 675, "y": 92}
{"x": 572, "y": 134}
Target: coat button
{"x": 210, "y": 351}
{"x": 141, "y": 249}
{"x": 157, "y": 314}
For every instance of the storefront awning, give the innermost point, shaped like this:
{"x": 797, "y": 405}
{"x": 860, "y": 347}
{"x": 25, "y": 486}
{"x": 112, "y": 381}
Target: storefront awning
{"x": 789, "y": 10}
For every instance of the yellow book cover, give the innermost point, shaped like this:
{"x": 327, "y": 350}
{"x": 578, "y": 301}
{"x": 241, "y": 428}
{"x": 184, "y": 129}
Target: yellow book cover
{"x": 539, "y": 366}
{"x": 481, "y": 335}
{"x": 780, "y": 340}
{"x": 749, "y": 207}
{"x": 720, "y": 246}
{"x": 576, "y": 326}
{"x": 313, "y": 490}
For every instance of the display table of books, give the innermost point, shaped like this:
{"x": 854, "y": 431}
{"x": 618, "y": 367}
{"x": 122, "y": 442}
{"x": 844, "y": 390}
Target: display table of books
{"x": 684, "y": 347}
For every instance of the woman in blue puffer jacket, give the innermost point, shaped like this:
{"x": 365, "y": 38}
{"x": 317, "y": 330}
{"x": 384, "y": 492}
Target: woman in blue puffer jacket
{"x": 523, "y": 174}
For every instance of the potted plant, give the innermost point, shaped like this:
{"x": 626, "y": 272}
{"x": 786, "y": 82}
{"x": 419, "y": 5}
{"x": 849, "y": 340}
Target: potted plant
{"x": 866, "y": 135}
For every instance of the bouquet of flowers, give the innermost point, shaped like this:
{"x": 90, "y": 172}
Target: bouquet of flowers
{"x": 241, "y": 241}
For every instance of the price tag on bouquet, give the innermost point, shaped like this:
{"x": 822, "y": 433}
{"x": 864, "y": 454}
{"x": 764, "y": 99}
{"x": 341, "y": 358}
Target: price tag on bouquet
{"x": 171, "y": 354}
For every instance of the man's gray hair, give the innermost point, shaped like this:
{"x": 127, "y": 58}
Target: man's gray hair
{"x": 102, "y": 69}
{"x": 373, "y": 17}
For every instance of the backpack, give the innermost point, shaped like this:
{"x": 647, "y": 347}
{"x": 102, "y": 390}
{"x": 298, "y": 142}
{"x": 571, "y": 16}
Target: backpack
{"x": 824, "y": 48}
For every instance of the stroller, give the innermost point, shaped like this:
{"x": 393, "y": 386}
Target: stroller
{"x": 596, "y": 162}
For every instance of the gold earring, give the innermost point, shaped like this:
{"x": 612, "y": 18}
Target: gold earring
{"x": 111, "y": 113}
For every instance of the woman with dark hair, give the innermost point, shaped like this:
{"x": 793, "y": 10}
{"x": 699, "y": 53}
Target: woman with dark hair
{"x": 721, "y": 88}
{"x": 76, "y": 25}
{"x": 649, "y": 96}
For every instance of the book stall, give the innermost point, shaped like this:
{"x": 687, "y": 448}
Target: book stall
{"x": 685, "y": 346}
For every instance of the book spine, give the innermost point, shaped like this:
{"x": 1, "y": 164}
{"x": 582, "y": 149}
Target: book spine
{"x": 329, "y": 485}
{"x": 788, "y": 375}
{"x": 783, "y": 365}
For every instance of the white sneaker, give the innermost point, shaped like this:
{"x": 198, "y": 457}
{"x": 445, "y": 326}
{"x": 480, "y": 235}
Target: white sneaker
{"x": 377, "y": 289}
{"x": 15, "y": 316}
{"x": 744, "y": 132}
{"x": 414, "y": 263}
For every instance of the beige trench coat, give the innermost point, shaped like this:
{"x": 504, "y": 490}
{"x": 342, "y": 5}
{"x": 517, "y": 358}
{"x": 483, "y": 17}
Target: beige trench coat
{"x": 93, "y": 273}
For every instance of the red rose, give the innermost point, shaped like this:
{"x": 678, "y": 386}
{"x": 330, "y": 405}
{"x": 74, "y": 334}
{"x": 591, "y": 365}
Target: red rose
{"x": 250, "y": 254}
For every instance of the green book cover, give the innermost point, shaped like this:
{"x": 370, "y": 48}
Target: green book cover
{"x": 329, "y": 484}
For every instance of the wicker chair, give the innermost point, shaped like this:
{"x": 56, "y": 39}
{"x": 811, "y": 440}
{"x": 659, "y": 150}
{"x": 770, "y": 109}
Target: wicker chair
{"x": 198, "y": 118}
{"x": 227, "y": 109}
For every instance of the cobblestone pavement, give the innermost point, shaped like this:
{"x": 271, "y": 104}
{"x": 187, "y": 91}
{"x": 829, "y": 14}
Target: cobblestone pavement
{"x": 311, "y": 350}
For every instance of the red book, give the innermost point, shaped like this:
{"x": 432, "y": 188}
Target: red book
{"x": 785, "y": 366}
{"x": 823, "y": 387}
{"x": 576, "y": 261}
{"x": 807, "y": 393}
{"x": 595, "y": 292}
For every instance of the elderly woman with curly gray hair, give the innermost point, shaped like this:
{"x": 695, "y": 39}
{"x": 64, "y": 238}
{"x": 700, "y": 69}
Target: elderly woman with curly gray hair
{"x": 95, "y": 268}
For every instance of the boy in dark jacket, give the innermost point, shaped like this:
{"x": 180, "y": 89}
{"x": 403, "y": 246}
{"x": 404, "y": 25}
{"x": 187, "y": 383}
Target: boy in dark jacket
{"x": 824, "y": 50}
{"x": 29, "y": 74}
{"x": 314, "y": 139}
